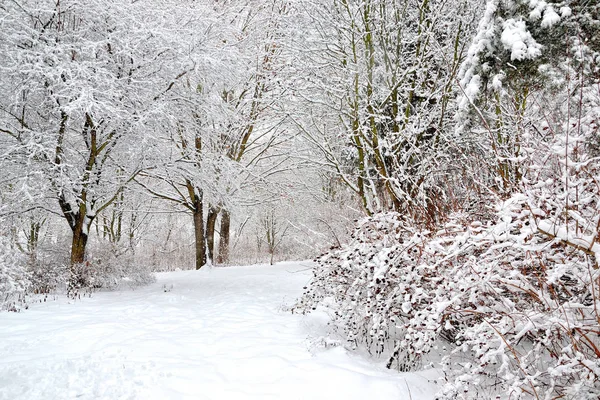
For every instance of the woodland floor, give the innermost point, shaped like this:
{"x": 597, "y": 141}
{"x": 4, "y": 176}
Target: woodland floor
{"x": 220, "y": 333}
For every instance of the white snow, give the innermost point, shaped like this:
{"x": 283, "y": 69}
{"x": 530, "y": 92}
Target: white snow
{"x": 471, "y": 90}
{"x": 518, "y": 40}
{"x": 587, "y": 242}
{"x": 219, "y": 333}
{"x": 550, "y": 18}
{"x": 565, "y": 12}
{"x": 497, "y": 81}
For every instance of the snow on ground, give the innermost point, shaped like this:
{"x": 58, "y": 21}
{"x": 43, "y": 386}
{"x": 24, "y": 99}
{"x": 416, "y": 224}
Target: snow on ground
{"x": 212, "y": 334}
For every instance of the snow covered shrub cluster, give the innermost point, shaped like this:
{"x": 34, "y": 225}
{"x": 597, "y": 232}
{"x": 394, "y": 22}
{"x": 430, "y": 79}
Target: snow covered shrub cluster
{"x": 513, "y": 297}
{"x": 47, "y": 276}
{"x": 375, "y": 286}
{"x": 14, "y": 281}
{"x": 517, "y": 308}
{"x": 110, "y": 272}
{"x": 526, "y": 314}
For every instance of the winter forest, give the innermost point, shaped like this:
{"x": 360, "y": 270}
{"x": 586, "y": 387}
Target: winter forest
{"x": 438, "y": 161}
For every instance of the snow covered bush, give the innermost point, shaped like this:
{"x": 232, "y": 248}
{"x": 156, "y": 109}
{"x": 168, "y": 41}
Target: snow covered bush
{"x": 513, "y": 297}
{"x": 109, "y": 272}
{"x": 14, "y": 280}
{"x": 526, "y": 312}
{"x": 47, "y": 276}
{"x": 518, "y": 308}
{"x": 389, "y": 289}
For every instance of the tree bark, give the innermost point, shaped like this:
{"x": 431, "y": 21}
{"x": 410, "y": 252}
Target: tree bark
{"x": 223, "y": 256}
{"x": 211, "y": 220}
{"x": 199, "y": 235}
{"x": 79, "y": 227}
{"x": 78, "y": 246}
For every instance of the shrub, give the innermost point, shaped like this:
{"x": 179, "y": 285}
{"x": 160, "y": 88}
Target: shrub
{"x": 109, "y": 272}
{"x": 518, "y": 309}
{"x": 14, "y": 279}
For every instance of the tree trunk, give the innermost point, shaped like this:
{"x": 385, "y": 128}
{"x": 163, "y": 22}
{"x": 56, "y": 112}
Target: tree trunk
{"x": 211, "y": 220}
{"x": 78, "y": 279}
{"x": 78, "y": 246}
{"x": 80, "y": 224}
{"x": 224, "y": 237}
{"x": 199, "y": 235}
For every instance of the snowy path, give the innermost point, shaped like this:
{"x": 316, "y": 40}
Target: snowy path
{"x": 218, "y": 334}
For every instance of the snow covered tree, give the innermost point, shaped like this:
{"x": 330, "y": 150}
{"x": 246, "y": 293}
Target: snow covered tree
{"x": 83, "y": 85}
{"x": 380, "y": 81}
{"x": 522, "y": 52}
{"x": 224, "y": 128}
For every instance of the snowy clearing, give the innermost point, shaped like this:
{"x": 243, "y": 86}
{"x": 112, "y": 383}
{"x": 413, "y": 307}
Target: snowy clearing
{"x": 210, "y": 334}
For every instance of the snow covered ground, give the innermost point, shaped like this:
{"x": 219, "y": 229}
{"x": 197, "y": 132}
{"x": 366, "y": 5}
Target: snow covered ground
{"x": 213, "y": 334}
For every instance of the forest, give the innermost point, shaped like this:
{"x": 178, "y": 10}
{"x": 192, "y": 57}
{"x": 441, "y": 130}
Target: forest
{"x": 438, "y": 160}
